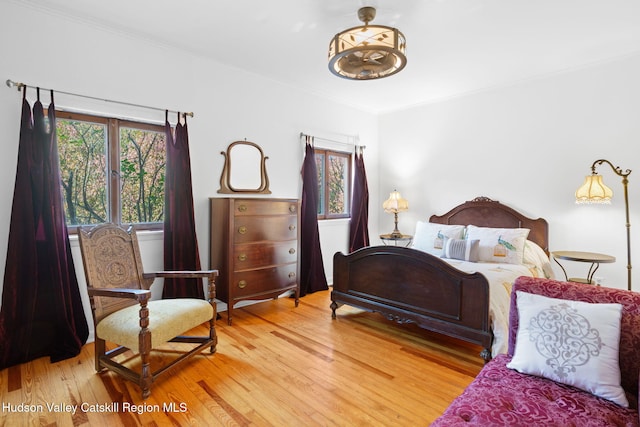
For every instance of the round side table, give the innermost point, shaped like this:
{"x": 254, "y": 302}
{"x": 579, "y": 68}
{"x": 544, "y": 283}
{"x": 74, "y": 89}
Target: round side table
{"x": 404, "y": 240}
{"x": 590, "y": 257}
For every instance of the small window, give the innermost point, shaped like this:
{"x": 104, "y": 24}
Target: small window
{"x": 111, "y": 170}
{"x": 334, "y": 184}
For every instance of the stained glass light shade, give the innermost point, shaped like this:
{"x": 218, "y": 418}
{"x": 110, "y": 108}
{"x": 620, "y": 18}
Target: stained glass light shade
{"x": 367, "y": 52}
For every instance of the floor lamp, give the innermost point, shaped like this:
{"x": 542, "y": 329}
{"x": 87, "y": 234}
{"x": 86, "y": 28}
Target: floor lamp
{"x": 593, "y": 190}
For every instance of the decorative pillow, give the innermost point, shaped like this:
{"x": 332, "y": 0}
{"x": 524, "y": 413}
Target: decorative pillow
{"x": 570, "y": 342}
{"x": 535, "y": 256}
{"x": 503, "y": 245}
{"x": 429, "y": 236}
{"x": 464, "y": 249}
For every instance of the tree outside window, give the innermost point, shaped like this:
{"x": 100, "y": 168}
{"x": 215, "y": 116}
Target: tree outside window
{"x": 112, "y": 170}
{"x": 334, "y": 184}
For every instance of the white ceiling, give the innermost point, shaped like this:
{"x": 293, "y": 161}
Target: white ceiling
{"x": 453, "y": 46}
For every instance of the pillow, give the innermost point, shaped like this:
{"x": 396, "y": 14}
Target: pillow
{"x": 570, "y": 342}
{"x": 503, "y": 245}
{"x": 464, "y": 249}
{"x": 536, "y": 257}
{"x": 429, "y": 236}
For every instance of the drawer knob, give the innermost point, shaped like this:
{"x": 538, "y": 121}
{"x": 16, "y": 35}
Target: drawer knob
{"x": 292, "y": 275}
{"x": 242, "y": 257}
{"x": 292, "y": 251}
{"x": 242, "y": 284}
{"x": 242, "y": 208}
{"x": 292, "y": 227}
{"x": 242, "y": 230}
{"x": 292, "y": 208}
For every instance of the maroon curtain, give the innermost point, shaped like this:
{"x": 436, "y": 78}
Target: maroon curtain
{"x": 42, "y": 313}
{"x": 312, "y": 276}
{"x": 359, "y": 223}
{"x": 180, "y": 242}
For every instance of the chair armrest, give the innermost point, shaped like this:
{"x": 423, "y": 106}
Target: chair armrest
{"x": 139, "y": 295}
{"x": 209, "y": 274}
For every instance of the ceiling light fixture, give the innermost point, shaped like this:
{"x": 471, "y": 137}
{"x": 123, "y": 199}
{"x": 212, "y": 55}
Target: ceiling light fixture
{"x": 367, "y": 52}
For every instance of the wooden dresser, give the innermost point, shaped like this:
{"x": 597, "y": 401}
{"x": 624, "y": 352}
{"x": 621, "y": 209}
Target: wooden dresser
{"x": 254, "y": 243}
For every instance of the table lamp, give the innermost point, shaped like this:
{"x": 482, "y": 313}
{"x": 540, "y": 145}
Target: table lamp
{"x": 394, "y": 204}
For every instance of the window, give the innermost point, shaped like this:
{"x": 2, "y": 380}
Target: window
{"x": 112, "y": 170}
{"x": 334, "y": 183}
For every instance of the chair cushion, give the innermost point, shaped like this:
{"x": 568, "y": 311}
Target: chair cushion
{"x": 167, "y": 319}
{"x": 500, "y": 396}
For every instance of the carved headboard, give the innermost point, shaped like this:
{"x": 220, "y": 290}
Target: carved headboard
{"x": 484, "y": 212}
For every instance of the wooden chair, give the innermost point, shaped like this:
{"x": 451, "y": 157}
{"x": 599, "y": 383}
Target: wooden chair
{"x": 123, "y": 313}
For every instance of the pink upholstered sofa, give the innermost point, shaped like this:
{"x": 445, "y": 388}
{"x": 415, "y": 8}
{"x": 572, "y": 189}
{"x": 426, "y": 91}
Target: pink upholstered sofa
{"x": 500, "y": 396}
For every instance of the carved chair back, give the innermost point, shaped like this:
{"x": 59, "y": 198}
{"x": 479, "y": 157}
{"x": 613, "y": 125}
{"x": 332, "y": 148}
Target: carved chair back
{"x": 111, "y": 258}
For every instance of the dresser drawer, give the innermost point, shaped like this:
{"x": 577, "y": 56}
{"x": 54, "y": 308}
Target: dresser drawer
{"x": 258, "y": 207}
{"x": 255, "y": 255}
{"x": 254, "y": 229}
{"x": 264, "y": 281}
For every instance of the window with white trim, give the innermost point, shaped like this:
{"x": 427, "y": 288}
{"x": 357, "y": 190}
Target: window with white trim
{"x": 334, "y": 184}
{"x": 112, "y": 170}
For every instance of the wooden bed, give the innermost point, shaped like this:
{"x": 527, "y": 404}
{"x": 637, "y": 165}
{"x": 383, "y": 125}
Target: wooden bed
{"x": 408, "y": 285}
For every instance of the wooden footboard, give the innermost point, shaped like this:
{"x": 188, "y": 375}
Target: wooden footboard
{"x": 407, "y": 285}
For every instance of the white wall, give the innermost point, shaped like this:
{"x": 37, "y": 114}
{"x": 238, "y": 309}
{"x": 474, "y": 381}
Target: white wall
{"x": 528, "y": 145}
{"x": 55, "y": 52}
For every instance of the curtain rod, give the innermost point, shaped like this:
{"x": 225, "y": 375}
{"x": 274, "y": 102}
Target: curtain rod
{"x": 302, "y": 134}
{"x": 10, "y": 83}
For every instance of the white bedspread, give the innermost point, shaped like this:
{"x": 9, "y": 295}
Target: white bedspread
{"x": 500, "y": 278}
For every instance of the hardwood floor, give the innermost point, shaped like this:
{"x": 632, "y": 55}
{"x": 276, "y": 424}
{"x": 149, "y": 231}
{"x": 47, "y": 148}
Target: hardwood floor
{"x": 277, "y": 365}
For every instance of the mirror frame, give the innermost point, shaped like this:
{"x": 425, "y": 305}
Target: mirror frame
{"x": 225, "y": 177}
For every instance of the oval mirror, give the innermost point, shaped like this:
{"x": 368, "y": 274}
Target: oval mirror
{"x": 244, "y": 169}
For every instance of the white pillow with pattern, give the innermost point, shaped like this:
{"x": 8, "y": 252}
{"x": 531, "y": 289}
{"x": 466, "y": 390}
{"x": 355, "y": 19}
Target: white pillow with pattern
{"x": 503, "y": 245}
{"x": 570, "y": 342}
{"x": 429, "y": 236}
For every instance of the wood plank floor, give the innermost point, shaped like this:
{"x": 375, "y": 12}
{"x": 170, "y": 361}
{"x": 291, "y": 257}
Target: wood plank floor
{"x": 277, "y": 365}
